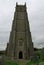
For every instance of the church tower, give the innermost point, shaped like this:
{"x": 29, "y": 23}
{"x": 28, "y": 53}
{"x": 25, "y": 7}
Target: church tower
{"x": 20, "y": 43}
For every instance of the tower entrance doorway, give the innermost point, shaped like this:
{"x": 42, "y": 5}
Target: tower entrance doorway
{"x": 20, "y": 55}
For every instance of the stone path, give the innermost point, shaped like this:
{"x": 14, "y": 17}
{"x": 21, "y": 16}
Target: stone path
{"x": 22, "y": 62}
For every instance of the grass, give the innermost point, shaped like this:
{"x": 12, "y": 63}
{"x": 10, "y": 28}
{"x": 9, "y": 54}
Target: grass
{"x": 10, "y": 63}
{"x": 35, "y": 63}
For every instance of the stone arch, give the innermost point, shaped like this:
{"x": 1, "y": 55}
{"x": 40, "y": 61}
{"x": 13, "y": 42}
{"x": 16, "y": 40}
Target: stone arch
{"x": 20, "y": 55}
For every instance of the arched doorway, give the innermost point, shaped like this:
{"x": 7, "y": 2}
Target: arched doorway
{"x": 20, "y": 55}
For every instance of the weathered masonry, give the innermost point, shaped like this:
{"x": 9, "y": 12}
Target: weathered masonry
{"x": 20, "y": 43}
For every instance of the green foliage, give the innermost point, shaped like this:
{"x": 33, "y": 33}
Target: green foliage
{"x": 31, "y": 62}
{"x": 34, "y": 63}
{"x": 10, "y": 63}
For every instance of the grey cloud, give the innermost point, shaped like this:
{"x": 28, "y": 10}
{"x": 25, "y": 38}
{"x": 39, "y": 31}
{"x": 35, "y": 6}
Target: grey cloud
{"x": 4, "y": 37}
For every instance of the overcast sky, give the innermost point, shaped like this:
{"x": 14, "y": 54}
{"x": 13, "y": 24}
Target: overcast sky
{"x": 35, "y": 10}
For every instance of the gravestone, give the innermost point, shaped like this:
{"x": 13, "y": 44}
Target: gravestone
{"x": 2, "y": 60}
{"x": 42, "y": 54}
{"x": 41, "y": 63}
{"x": 35, "y": 58}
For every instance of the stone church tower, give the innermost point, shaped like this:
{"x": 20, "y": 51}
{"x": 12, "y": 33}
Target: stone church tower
{"x": 20, "y": 43}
